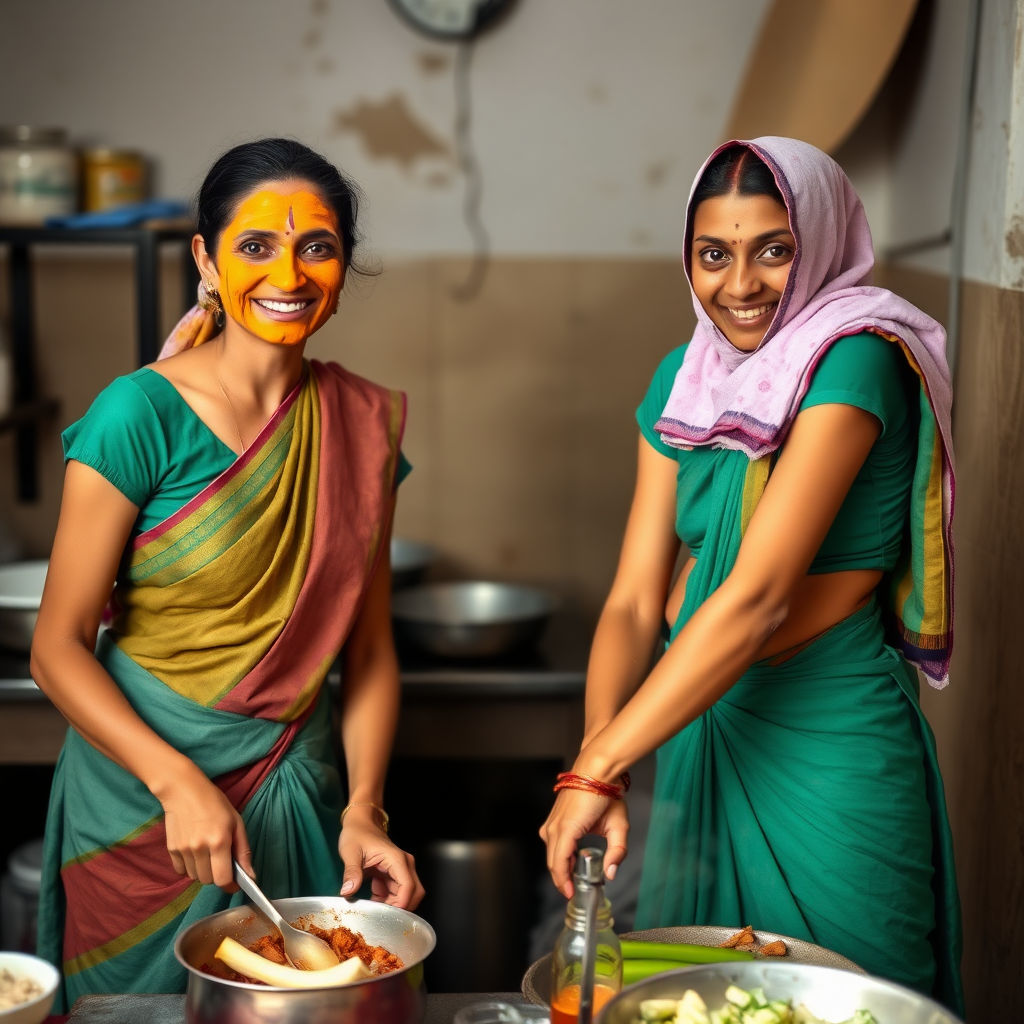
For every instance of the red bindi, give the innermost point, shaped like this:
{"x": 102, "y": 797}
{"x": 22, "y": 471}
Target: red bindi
{"x": 291, "y": 219}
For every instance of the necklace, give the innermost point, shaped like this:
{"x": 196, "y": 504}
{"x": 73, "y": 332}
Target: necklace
{"x": 231, "y": 407}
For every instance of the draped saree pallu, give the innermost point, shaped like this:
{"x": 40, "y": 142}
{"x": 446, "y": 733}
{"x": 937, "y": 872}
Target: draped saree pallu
{"x": 806, "y": 801}
{"x": 229, "y": 614}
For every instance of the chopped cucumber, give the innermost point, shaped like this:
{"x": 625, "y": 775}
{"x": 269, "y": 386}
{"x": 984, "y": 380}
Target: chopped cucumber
{"x": 692, "y": 1009}
{"x": 764, "y": 1015}
{"x": 738, "y": 997}
{"x": 658, "y": 1009}
{"x": 742, "y": 1007}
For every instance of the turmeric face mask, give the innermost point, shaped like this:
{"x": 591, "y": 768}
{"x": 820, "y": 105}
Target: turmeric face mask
{"x": 280, "y": 265}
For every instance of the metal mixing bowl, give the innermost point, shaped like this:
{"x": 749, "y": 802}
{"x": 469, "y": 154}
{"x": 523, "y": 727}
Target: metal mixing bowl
{"x": 830, "y": 994}
{"x": 396, "y": 998}
{"x": 471, "y": 620}
{"x": 409, "y": 561}
{"x": 21, "y": 590}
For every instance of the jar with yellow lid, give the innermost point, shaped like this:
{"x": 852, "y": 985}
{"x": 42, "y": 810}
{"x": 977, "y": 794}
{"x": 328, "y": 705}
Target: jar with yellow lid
{"x": 112, "y": 178}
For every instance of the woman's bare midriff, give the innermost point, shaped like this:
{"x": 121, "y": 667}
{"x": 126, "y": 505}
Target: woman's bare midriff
{"x": 819, "y": 602}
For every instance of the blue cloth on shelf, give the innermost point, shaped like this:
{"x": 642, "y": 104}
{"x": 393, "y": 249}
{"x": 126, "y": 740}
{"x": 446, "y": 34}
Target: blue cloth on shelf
{"x": 122, "y": 216}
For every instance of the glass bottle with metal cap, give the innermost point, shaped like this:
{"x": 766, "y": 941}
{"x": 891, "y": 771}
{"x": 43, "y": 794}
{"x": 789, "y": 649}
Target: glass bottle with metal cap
{"x": 587, "y": 961}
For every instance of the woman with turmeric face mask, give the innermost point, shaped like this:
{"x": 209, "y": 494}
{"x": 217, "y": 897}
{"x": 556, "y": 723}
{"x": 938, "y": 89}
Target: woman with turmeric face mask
{"x": 238, "y": 502}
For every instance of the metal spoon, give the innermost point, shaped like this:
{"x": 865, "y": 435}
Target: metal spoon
{"x": 303, "y": 951}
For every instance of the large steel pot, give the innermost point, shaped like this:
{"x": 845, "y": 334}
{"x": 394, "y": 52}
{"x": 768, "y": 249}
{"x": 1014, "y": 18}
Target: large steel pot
{"x": 396, "y": 998}
{"x": 829, "y": 993}
{"x": 471, "y": 620}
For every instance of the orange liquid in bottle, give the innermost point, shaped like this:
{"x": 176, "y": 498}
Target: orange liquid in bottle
{"x": 566, "y": 1007}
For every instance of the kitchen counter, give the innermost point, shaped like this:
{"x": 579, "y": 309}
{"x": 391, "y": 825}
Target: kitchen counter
{"x": 165, "y": 1009}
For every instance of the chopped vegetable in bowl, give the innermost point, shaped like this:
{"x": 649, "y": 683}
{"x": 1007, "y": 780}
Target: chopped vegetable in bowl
{"x": 741, "y": 1007}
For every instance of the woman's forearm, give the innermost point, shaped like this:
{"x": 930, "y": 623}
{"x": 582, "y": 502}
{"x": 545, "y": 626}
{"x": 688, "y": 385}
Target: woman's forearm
{"x": 619, "y": 659}
{"x": 370, "y": 700}
{"x": 69, "y": 674}
{"x": 714, "y": 649}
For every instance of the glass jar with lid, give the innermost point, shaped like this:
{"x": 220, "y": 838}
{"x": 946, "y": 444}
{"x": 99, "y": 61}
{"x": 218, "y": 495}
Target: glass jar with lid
{"x": 112, "y": 178}
{"x": 38, "y": 174}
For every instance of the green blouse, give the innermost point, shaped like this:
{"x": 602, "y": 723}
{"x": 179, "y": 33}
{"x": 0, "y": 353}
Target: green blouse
{"x": 863, "y": 370}
{"x": 143, "y": 437}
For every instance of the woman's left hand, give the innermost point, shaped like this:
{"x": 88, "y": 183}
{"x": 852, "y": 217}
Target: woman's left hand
{"x": 366, "y": 850}
{"x": 578, "y": 813}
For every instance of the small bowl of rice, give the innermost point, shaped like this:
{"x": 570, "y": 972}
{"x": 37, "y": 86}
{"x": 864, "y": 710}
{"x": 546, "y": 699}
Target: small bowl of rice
{"x": 27, "y": 988}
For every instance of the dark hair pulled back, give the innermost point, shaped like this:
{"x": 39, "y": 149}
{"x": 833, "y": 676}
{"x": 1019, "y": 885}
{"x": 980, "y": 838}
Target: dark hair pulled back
{"x": 736, "y": 170}
{"x": 243, "y": 169}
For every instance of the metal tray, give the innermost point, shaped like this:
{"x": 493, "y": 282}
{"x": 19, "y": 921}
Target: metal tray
{"x": 536, "y": 985}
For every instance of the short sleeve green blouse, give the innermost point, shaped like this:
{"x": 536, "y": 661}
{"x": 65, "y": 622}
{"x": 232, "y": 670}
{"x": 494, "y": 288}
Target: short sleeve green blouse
{"x": 863, "y": 370}
{"x": 144, "y": 438}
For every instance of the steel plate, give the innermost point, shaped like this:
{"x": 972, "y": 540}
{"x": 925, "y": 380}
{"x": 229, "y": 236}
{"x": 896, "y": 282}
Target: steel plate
{"x": 537, "y": 981}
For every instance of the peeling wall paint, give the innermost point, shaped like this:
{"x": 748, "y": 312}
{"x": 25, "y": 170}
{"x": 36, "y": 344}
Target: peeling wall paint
{"x": 588, "y": 121}
{"x": 390, "y": 131}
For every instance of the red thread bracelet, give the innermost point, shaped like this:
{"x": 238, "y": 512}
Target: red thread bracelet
{"x": 572, "y": 780}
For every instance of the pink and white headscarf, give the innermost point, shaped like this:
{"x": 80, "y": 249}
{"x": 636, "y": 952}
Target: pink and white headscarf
{"x": 728, "y": 398}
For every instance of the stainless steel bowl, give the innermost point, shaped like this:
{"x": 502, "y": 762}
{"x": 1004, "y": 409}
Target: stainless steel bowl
{"x": 21, "y": 590}
{"x": 396, "y": 998}
{"x": 471, "y": 620}
{"x": 830, "y": 994}
{"x": 409, "y": 561}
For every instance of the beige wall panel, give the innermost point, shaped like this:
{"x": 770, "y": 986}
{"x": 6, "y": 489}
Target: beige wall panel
{"x": 386, "y": 330}
{"x": 979, "y": 720}
{"x": 85, "y": 328}
{"x": 504, "y": 421}
{"x": 982, "y": 725}
{"x": 625, "y": 317}
{"x": 927, "y": 291}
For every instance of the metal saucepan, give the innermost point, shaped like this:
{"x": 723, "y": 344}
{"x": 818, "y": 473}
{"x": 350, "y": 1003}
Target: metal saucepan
{"x": 21, "y": 590}
{"x": 396, "y": 998}
{"x": 409, "y": 561}
{"x": 471, "y": 620}
{"x": 829, "y": 993}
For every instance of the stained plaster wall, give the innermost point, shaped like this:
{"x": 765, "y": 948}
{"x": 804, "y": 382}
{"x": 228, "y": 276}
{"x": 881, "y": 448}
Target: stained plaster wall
{"x": 589, "y": 116}
{"x": 588, "y": 124}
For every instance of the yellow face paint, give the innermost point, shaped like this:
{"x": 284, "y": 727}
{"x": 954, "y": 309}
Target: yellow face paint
{"x": 280, "y": 265}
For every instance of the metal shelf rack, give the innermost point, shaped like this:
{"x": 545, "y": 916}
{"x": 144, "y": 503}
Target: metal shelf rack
{"x": 29, "y": 407}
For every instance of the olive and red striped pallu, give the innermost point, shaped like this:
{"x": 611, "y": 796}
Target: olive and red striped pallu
{"x": 229, "y": 614}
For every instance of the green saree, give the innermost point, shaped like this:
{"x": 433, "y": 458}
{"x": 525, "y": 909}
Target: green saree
{"x": 807, "y": 800}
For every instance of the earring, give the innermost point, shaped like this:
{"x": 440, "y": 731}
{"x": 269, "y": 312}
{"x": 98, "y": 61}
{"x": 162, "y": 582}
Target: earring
{"x": 209, "y": 299}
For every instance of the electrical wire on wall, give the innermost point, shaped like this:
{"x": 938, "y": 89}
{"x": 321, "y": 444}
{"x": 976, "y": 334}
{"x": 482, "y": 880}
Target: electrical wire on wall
{"x": 473, "y": 179}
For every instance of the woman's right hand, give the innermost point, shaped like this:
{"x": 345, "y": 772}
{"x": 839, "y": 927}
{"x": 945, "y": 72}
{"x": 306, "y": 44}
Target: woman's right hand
{"x": 204, "y": 831}
{"x": 578, "y": 813}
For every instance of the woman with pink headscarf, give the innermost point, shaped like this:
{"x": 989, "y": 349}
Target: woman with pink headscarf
{"x": 799, "y": 446}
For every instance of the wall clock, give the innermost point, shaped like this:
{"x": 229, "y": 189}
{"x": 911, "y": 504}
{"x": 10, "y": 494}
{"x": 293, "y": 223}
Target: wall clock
{"x": 453, "y": 20}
